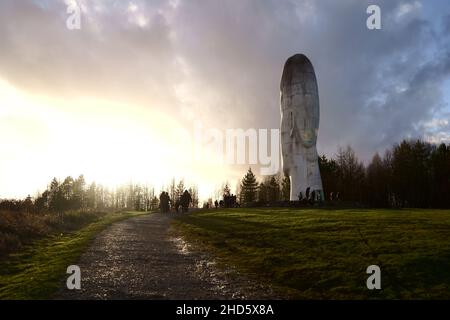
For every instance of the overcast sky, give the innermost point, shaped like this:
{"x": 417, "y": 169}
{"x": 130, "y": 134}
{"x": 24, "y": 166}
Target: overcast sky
{"x": 220, "y": 62}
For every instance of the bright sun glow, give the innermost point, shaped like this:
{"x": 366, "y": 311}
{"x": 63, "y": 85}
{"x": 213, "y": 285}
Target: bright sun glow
{"x": 107, "y": 142}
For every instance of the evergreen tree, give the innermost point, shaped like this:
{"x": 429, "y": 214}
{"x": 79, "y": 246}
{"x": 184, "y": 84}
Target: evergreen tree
{"x": 28, "y": 204}
{"x": 273, "y": 189}
{"x": 440, "y": 176}
{"x": 262, "y": 193}
{"x": 410, "y": 165}
{"x": 376, "y": 177}
{"x": 55, "y": 196}
{"x": 67, "y": 193}
{"x": 226, "y": 192}
{"x": 249, "y": 187}
{"x": 329, "y": 174}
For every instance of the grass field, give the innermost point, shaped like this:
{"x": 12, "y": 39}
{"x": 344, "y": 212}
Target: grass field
{"x": 324, "y": 253}
{"x": 36, "y": 272}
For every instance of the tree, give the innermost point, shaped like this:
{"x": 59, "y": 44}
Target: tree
{"x": 329, "y": 174}
{"x": 273, "y": 189}
{"x": 101, "y": 197}
{"x": 262, "y": 193}
{"x": 249, "y": 187}
{"x": 239, "y": 196}
{"x": 194, "y": 195}
{"x": 154, "y": 203}
{"x": 138, "y": 198}
{"x": 410, "y": 176}
{"x": 179, "y": 190}
{"x": 56, "y": 198}
{"x": 149, "y": 193}
{"x": 440, "y": 176}
{"x": 79, "y": 193}
{"x": 377, "y": 182}
{"x": 172, "y": 191}
{"x": 28, "y": 204}
{"x": 67, "y": 193}
{"x": 226, "y": 192}
{"x": 351, "y": 174}
{"x": 41, "y": 202}
{"x": 91, "y": 196}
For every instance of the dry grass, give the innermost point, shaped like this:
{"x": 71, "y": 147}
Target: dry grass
{"x": 19, "y": 228}
{"x": 38, "y": 270}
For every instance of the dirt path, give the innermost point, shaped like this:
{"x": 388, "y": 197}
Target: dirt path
{"x": 137, "y": 259}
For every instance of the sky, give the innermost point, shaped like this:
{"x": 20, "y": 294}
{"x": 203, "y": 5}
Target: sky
{"x": 117, "y": 99}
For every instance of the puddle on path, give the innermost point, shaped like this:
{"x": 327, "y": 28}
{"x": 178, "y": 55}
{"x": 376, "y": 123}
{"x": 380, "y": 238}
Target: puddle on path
{"x": 182, "y": 246}
{"x": 206, "y": 269}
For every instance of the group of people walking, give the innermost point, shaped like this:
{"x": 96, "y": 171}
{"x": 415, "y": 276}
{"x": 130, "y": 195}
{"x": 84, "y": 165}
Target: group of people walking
{"x": 183, "y": 202}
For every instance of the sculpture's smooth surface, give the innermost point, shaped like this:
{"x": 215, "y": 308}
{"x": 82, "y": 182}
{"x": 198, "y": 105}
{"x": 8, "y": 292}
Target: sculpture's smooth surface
{"x": 300, "y": 126}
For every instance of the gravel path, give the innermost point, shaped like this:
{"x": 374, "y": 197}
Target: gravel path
{"x": 137, "y": 259}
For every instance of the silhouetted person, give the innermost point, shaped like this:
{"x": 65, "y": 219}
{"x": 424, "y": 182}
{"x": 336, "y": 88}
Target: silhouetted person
{"x": 313, "y": 197}
{"x": 185, "y": 200}
{"x": 164, "y": 200}
{"x": 216, "y": 204}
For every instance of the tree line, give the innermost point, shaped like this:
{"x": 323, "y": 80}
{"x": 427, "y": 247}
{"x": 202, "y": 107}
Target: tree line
{"x": 412, "y": 173}
{"x": 75, "y": 194}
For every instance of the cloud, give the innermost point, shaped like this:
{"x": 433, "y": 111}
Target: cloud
{"x": 221, "y": 61}
{"x": 374, "y": 86}
{"x": 407, "y": 9}
{"x": 115, "y": 55}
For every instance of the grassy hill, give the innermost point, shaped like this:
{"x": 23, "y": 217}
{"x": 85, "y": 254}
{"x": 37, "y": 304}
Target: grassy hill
{"x": 324, "y": 253}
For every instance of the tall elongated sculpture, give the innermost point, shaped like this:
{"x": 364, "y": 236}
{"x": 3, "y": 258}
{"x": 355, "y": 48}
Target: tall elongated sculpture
{"x": 300, "y": 126}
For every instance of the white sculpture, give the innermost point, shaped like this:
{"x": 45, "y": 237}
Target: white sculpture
{"x": 300, "y": 126}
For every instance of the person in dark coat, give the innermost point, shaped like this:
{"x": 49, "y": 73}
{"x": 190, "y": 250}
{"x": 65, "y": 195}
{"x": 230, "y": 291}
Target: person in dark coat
{"x": 164, "y": 202}
{"x": 185, "y": 200}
